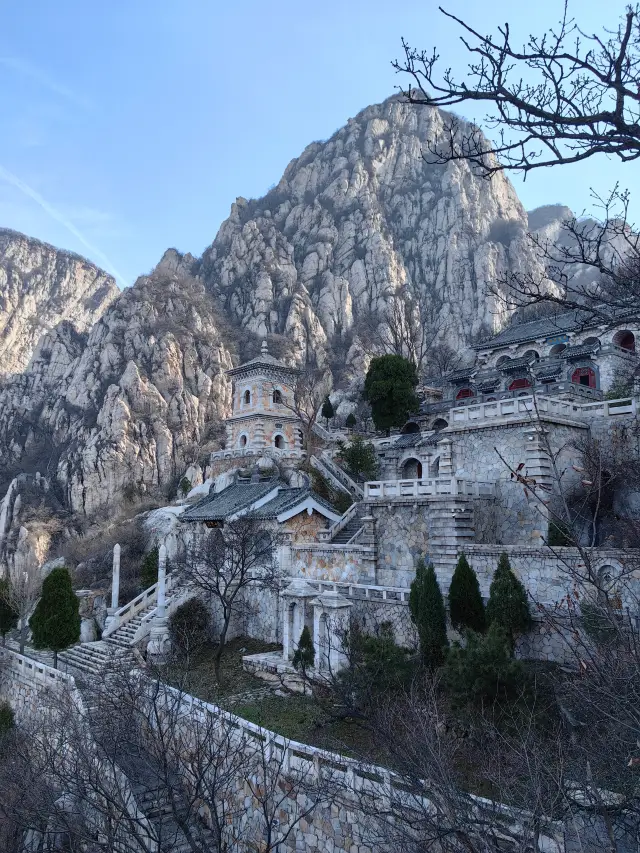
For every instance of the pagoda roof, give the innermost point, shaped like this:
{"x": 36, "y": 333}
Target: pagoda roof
{"x": 265, "y": 359}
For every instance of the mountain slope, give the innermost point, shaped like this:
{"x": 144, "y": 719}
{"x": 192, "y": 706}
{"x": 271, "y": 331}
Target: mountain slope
{"x": 41, "y": 286}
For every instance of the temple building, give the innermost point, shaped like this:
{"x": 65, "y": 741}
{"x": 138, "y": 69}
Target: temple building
{"x": 262, "y": 419}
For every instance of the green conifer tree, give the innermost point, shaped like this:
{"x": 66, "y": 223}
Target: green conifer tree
{"x": 508, "y": 606}
{"x": 305, "y": 654}
{"x": 466, "y": 607}
{"x": 149, "y": 569}
{"x": 428, "y": 614}
{"x": 55, "y": 623}
{"x": 8, "y": 614}
{"x": 327, "y": 410}
{"x": 350, "y": 421}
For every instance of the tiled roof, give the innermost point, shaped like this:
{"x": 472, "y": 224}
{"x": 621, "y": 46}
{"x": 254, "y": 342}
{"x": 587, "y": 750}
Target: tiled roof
{"x": 240, "y": 496}
{"x": 547, "y": 369}
{"x": 579, "y": 350}
{"x": 544, "y": 328}
{"x": 408, "y": 440}
{"x": 463, "y": 373}
{"x": 233, "y": 499}
{"x": 514, "y": 364}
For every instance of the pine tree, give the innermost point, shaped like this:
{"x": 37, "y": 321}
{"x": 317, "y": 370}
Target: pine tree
{"x": 149, "y": 569}
{"x": 508, "y": 606}
{"x": 55, "y": 623}
{"x": 466, "y": 607}
{"x": 305, "y": 654}
{"x": 428, "y": 614}
{"x": 8, "y": 613}
{"x": 350, "y": 421}
{"x": 327, "y": 410}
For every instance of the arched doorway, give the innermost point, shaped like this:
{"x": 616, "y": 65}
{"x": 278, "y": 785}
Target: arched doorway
{"x": 523, "y": 382}
{"x": 556, "y": 349}
{"x": 439, "y": 424}
{"x": 412, "y": 469}
{"x": 584, "y": 376}
{"x": 410, "y": 428}
{"x": 464, "y": 393}
{"x": 625, "y": 340}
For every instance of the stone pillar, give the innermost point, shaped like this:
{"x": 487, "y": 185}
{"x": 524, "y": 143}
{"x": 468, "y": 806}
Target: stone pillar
{"x": 330, "y": 621}
{"x": 259, "y": 442}
{"x": 159, "y": 642}
{"x": 445, "y": 451}
{"x": 368, "y": 540}
{"x": 539, "y": 474}
{"x": 115, "y": 586}
{"x": 229, "y": 439}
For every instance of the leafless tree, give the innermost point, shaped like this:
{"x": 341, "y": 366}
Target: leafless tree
{"x": 148, "y": 768}
{"x": 564, "y": 97}
{"x": 226, "y": 563}
{"x": 305, "y": 401}
{"x": 21, "y": 594}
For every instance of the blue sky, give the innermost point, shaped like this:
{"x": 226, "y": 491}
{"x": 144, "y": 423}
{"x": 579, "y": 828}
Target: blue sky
{"x": 131, "y": 126}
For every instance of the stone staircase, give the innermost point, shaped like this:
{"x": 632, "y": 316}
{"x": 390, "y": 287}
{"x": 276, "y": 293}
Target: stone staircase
{"x": 123, "y": 637}
{"x": 336, "y": 475}
{"x": 344, "y": 536}
{"x": 94, "y": 659}
{"x": 165, "y": 818}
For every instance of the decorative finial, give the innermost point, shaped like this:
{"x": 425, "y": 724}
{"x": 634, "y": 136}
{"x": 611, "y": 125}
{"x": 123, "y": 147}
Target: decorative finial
{"x": 264, "y": 349}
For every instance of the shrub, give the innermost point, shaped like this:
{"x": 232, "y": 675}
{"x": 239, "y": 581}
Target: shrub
{"x": 377, "y": 665}
{"x": 305, "y": 654}
{"x": 598, "y": 623}
{"x": 559, "y": 534}
{"x": 359, "y": 457}
{"x": 8, "y": 614}
{"x": 185, "y": 486}
{"x": 428, "y": 615}
{"x": 466, "y": 607}
{"x": 149, "y": 568}
{"x": 484, "y": 670}
{"x": 351, "y": 421}
{"x": 508, "y": 606}
{"x": 6, "y": 718}
{"x": 327, "y": 411}
{"x": 55, "y": 623}
{"x": 189, "y": 627}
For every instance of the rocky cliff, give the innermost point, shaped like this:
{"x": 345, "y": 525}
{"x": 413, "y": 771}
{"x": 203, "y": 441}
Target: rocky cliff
{"x": 40, "y": 286}
{"x": 360, "y": 222}
{"x": 358, "y": 228}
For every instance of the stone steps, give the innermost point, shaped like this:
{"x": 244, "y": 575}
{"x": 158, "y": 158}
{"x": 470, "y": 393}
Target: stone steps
{"x": 90, "y": 658}
{"x": 348, "y": 532}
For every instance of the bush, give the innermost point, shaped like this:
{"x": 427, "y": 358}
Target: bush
{"x": 327, "y": 411}
{"x": 8, "y": 614}
{"x": 466, "y": 607}
{"x": 6, "y": 718}
{"x": 359, "y": 458}
{"x": 351, "y": 421}
{"x": 149, "y": 568}
{"x": 484, "y": 670}
{"x": 185, "y": 486}
{"x": 305, "y": 654}
{"x": 377, "y": 665}
{"x": 559, "y": 535}
{"x": 508, "y": 606}
{"x": 55, "y": 623}
{"x": 598, "y": 623}
{"x": 428, "y": 615}
{"x": 189, "y": 627}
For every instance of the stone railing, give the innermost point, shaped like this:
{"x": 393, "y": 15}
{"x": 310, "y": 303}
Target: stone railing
{"x": 433, "y": 487}
{"x": 531, "y": 407}
{"x": 132, "y": 608}
{"x": 25, "y": 670}
{"x": 332, "y": 532}
{"x": 609, "y": 408}
{"x": 364, "y": 592}
{"x": 241, "y": 453}
{"x": 171, "y": 605}
{"x": 339, "y": 474}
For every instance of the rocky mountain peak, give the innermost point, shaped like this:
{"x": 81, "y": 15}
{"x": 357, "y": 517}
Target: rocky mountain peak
{"x": 41, "y": 286}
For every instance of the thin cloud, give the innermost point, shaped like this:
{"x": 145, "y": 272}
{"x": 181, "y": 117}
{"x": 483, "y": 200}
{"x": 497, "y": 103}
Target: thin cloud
{"x": 56, "y": 214}
{"x": 27, "y": 69}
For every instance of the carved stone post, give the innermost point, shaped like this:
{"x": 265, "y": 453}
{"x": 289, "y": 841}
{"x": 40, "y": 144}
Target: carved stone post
{"x": 115, "y": 586}
{"x": 159, "y": 641}
{"x": 330, "y": 621}
{"x": 539, "y": 474}
{"x": 445, "y": 450}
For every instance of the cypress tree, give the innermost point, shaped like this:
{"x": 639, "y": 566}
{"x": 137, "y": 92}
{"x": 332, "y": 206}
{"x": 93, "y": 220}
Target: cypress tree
{"x": 8, "y": 614}
{"x": 350, "y": 421}
{"x": 508, "y": 606}
{"x": 305, "y": 654}
{"x": 327, "y": 411}
{"x": 428, "y": 614}
{"x": 466, "y": 607}
{"x": 55, "y": 623}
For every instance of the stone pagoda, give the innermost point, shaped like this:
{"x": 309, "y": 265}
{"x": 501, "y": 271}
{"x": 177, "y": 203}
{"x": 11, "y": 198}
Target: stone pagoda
{"x": 262, "y": 421}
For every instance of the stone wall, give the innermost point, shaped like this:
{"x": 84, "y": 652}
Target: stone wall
{"x": 339, "y": 563}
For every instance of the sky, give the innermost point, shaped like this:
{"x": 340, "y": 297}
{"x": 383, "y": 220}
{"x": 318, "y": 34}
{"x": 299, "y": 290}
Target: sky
{"x": 129, "y": 127}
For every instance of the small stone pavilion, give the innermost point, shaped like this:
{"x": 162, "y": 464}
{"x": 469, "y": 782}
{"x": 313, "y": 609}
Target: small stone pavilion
{"x": 261, "y": 418}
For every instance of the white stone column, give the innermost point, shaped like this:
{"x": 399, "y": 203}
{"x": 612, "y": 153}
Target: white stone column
{"x": 331, "y": 610}
{"x": 159, "y": 641}
{"x": 115, "y": 587}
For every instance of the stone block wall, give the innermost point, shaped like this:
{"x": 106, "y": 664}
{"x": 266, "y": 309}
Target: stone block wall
{"x": 339, "y": 563}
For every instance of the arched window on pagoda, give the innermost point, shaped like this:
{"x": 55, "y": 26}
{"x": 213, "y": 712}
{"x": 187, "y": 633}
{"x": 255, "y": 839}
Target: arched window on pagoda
{"x": 585, "y": 376}
{"x": 464, "y": 393}
{"x": 277, "y": 396}
{"x": 517, "y": 384}
{"x": 625, "y": 340}
{"x": 246, "y": 398}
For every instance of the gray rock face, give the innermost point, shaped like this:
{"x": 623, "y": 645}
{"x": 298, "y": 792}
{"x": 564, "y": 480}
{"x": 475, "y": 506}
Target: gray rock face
{"x": 39, "y": 287}
{"x": 116, "y": 414}
{"x": 363, "y": 219}
{"x": 357, "y": 225}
